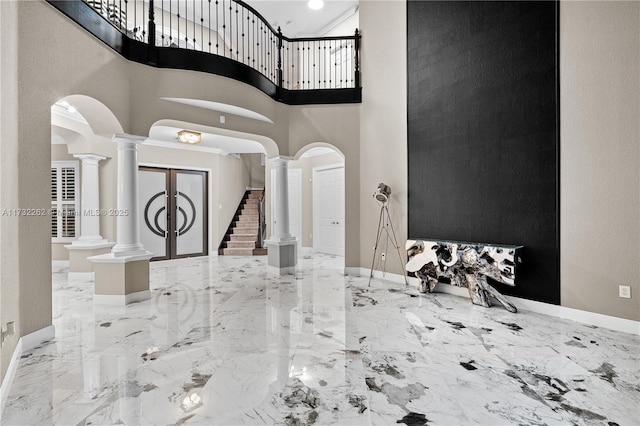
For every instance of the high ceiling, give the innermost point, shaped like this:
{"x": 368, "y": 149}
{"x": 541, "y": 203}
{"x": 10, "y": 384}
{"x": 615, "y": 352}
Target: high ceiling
{"x": 296, "y": 18}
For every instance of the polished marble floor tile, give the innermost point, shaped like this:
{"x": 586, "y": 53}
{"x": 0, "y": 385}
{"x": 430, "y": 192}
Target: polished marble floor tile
{"x": 224, "y": 342}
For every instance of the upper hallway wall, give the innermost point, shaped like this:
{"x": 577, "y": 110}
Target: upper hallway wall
{"x": 149, "y": 85}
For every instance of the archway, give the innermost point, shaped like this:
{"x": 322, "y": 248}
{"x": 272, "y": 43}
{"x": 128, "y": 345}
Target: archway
{"x": 81, "y": 127}
{"x": 320, "y": 166}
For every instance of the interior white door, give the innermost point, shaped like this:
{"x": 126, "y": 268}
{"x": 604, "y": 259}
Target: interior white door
{"x": 154, "y": 208}
{"x": 295, "y": 202}
{"x": 328, "y": 218}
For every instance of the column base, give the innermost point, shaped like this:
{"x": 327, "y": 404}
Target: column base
{"x": 121, "y": 280}
{"x": 119, "y": 300}
{"x": 282, "y": 256}
{"x": 128, "y": 250}
{"x": 80, "y": 276}
{"x": 80, "y": 252}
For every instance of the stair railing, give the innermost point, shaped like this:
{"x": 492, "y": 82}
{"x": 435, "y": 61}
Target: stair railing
{"x": 262, "y": 223}
{"x": 233, "y": 29}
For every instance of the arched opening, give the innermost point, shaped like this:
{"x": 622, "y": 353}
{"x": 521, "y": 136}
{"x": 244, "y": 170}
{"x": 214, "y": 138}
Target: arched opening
{"x": 317, "y": 200}
{"x": 80, "y": 126}
{"x": 233, "y": 166}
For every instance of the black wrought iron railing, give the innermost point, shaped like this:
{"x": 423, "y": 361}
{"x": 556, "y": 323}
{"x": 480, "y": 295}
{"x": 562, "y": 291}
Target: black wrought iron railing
{"x": 262, "y": 223}
{"x": 233, "y": 30}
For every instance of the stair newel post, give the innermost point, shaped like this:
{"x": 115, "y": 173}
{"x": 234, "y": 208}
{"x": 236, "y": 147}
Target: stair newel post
{"x": 279, "y": 57}
{"x": 261, "y": 222}
{"x": 357, "y": 58}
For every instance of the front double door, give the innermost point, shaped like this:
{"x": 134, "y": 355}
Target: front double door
{"x": 174, "y": 212}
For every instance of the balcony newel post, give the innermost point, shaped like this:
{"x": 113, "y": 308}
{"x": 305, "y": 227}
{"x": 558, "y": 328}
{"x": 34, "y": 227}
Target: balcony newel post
{"x": 357, "y": 59}
{"x": 151, "y": 38}
{"x": 152, "y": 25}
{"x": 279, "y": 57}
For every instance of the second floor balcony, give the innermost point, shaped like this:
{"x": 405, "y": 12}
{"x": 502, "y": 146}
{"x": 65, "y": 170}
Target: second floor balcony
{"x": 228, "y": 38}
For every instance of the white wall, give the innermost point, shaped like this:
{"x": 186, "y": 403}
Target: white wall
{"x": 346, "y": 27}
{"x": 383, "y": 122}
{"x": 600, "y": 155}
{"x": 9, "y": 277}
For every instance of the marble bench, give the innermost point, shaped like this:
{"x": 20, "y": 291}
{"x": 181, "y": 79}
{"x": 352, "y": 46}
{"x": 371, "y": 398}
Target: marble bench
{"x": 464, "y": 264}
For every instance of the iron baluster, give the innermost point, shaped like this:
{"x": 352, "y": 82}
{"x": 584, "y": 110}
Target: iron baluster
{"x": 280, "y": 57}
{"x": 152, "y": 25}
{"x": 357, "y": 59}
{"x": 307, "y": 63}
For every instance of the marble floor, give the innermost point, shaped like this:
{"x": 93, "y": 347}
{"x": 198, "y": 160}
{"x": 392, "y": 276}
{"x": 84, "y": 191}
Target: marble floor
{"x": 223, "y": 342}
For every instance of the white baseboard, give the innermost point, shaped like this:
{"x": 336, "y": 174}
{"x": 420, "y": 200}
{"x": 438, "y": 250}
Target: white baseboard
{"x": 25, "y": 343}
{"x": 121, "y": 299}
{"x": 81, "y": 276}
{"x": 585, "y": 317}
{"x": 8, "y": 377}
{"x": 366, "y": 272}
{"x": 34, "y": 339}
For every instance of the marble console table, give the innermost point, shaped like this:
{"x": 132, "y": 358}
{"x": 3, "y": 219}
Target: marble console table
{"x": 464, "y": 264}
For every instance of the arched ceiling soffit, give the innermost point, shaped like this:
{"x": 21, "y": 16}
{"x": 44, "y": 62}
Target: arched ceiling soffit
{"x": 221, "y": 107}
{"x": 64, "y": 135}
{"x": 225, "y": 141}
{"x": 97, "y": 115}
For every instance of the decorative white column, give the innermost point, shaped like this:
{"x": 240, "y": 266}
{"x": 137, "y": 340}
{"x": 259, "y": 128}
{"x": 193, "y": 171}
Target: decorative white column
{"x": 282, "y": 255}
{"x": 127, "y": 215}
{"x": 90, "y": 243}
{"x": 90, "y": 201}
{"x": 282, "y": 231}
{"x": 122, "y": 276}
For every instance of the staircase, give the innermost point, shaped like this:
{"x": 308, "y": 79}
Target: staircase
{"x": 243, "y": 235}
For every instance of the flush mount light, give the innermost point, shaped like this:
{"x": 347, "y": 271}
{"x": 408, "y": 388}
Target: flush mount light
{"x": 187, "y": 136}
{"x": 315, "y": 4}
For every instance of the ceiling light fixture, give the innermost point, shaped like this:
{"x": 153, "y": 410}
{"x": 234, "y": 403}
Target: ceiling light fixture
{"x": 315, "y": 4}
{"x": 187, "y": 136}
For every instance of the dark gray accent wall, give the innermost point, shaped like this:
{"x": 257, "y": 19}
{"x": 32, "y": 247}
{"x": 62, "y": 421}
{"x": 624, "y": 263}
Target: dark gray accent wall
{"x": 483, "y": 130}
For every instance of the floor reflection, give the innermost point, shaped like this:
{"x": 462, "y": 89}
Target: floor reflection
{"x": 222, "y": 341}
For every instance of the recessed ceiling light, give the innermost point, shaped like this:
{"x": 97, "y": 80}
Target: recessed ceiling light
{"x": 315, "y": 4}
{"x": 186, "y": 136}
